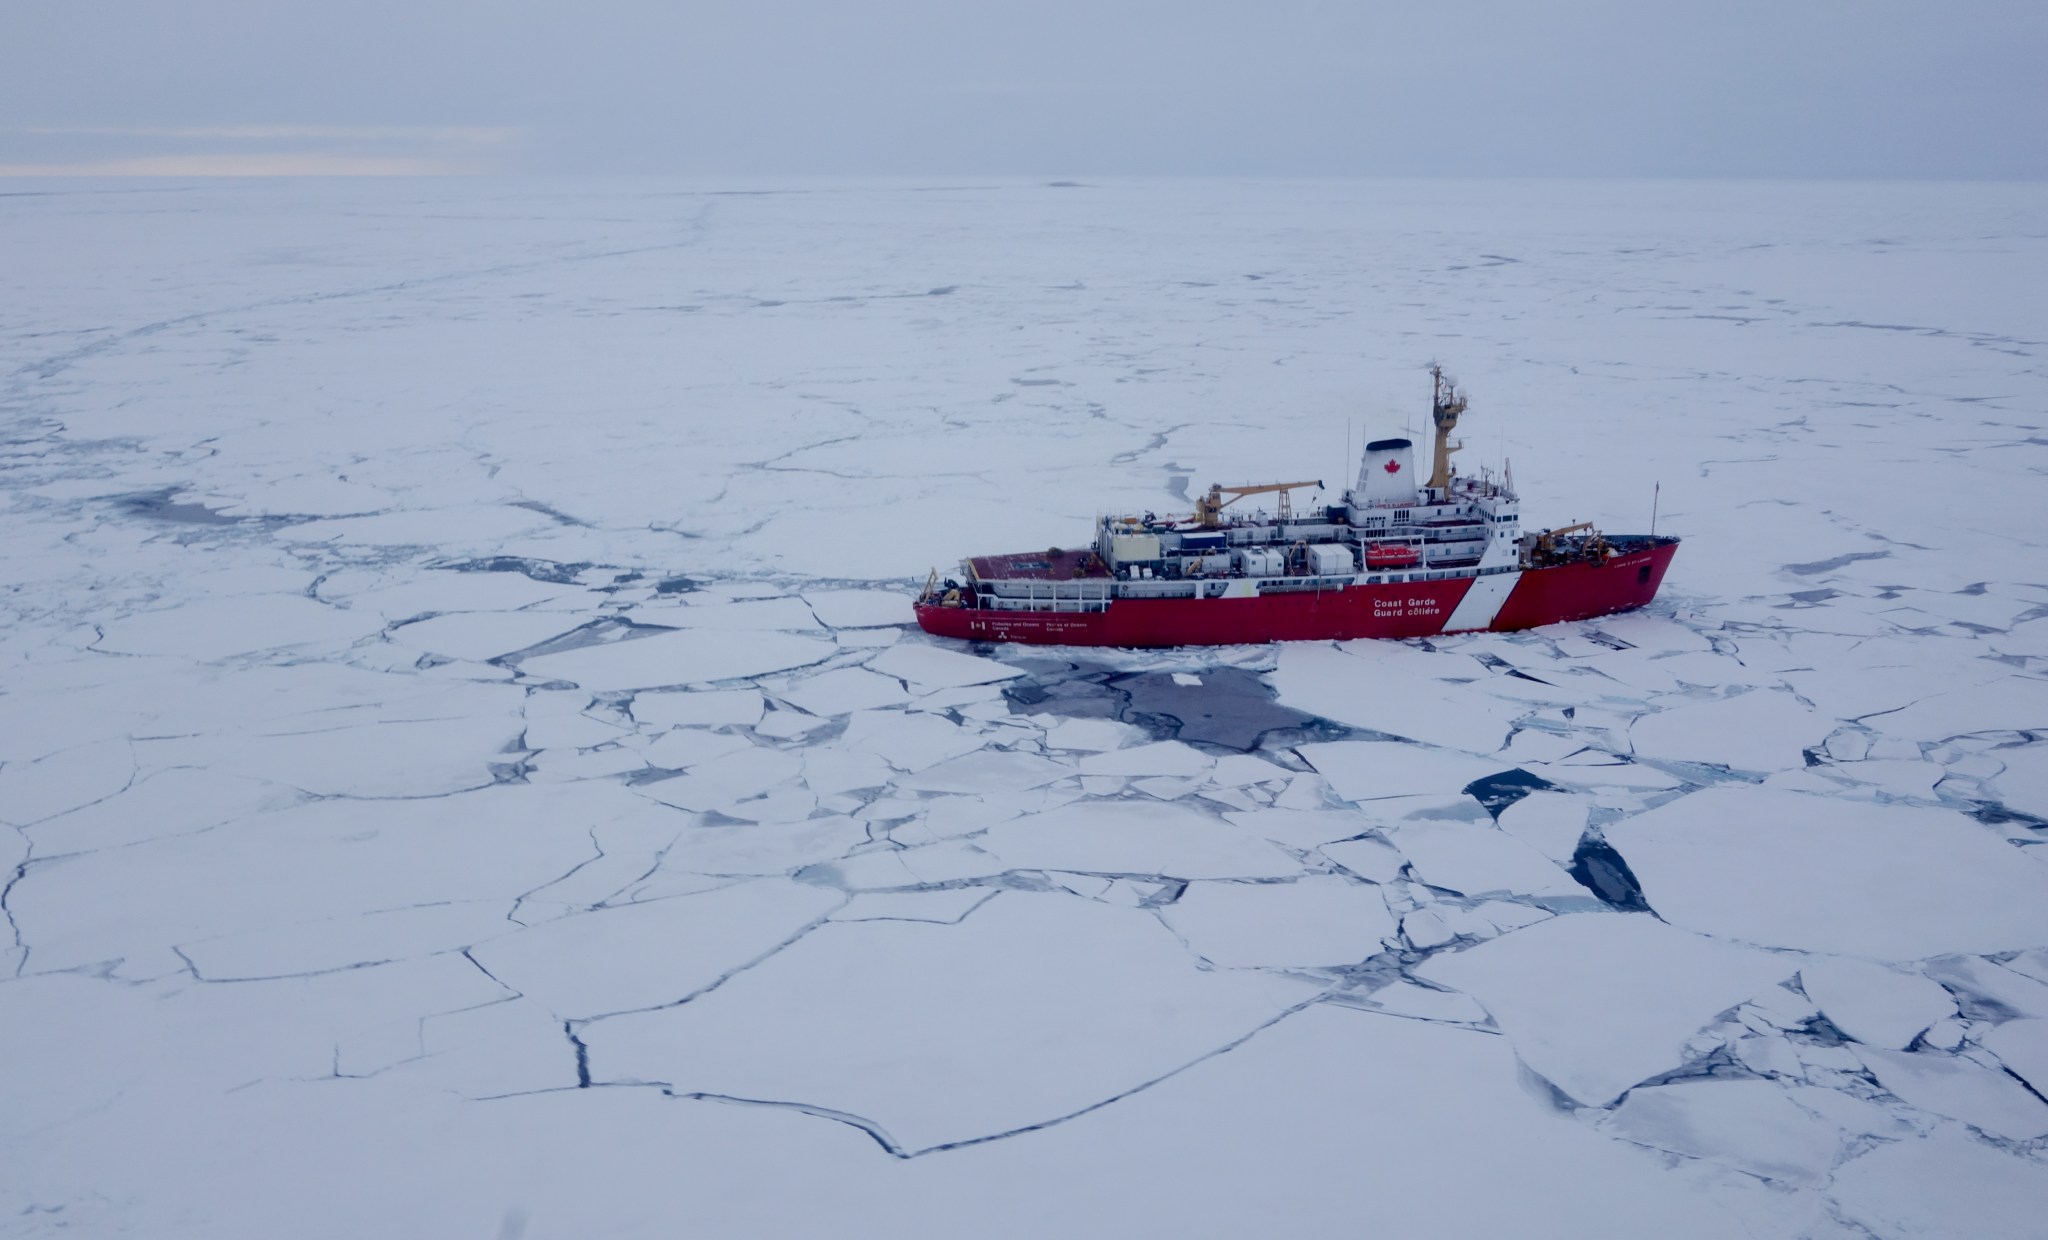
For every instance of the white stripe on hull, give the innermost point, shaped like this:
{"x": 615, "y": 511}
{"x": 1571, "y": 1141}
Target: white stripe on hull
{"x": 1482, "y": 602}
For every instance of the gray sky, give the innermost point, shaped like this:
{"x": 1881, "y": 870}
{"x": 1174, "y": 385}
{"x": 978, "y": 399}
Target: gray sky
{"x": 1742, "y": 88}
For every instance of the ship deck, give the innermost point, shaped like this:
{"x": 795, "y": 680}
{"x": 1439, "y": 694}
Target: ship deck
{"x": 1049, "y": 565}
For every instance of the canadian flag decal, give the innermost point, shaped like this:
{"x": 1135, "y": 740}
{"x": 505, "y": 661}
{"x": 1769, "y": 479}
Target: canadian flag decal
{"x": 1393, "y": 466}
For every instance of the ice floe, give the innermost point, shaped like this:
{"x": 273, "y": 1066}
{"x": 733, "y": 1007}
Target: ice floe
{"x": 1597, "y": 1002}
{"x": 1785, "y": 869}
{"x": 677, "y": 658}
{"x": 941, "y": 1034}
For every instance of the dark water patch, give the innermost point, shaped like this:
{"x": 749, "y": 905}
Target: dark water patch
{"x": 1036, "y": 382}
{"x": 1992, "y": 814}
{"x": 1229, "y": 708}
{"x": 1601, "y": 870}
{"x": 1496, "y": 792}
{"x": 1065, "y": 185}
{"x": 162, "y": 506}
{"x": 539, "y": 570}
{"x": 1841, "y": 561}
{"x": 1813, "y": 597}
{"x": 944, "y": 290}
{"x": 675, "y": 585}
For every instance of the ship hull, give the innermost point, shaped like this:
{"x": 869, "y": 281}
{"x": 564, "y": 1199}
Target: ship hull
{"x": 1533, "y": 598}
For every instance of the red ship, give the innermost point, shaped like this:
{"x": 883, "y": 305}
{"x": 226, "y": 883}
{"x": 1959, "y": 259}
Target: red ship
{"x": 1395, "y": 559}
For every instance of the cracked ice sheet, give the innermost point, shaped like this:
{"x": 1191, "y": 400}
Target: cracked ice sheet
{"x": 685, "y": 656}
{"x": 1034, "y": 1008}
{"x": 654, "y": 953}
{"x": 1135, "y": 837}
{"x": 1316, "y": 920}
{"x": 1366, "y": 771}
{"x": 1595, "y": 1002}
{"x": 1789, "y": 869}
{"x": 1388, "y": 687}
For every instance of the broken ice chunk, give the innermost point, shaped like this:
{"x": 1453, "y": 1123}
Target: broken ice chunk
{"x": 735, "y": 777}
{"x": 1370, "y": 858}
{"x": 1991, "y": 1101}
{"x": 1162, "y": 758}
{"x": 1749, "y": 1125}
{"x": 1761, "y": 730}
{"x": 482, "y": 635}
{"x": 1822, "y": 874}
{"x": 646, "y": 955}
{"x": 1372, "y": 770}
{"x": 1596, "y": 1002}
{"x": 1092, "y": 735}
{"x": 680, "y": 657}
{"x": 1135, "y": 837}
{"x": 1473, "y": 860}
{"x": 703, "y": 708}
{"x": 988, "y": 771}
{"x": 2022, "y": 1045}
{"x": 931, "y": 667}
{"x": 1873, "y": 1004}
{"x": 1946, "y": 1187}
{"x": 856, "y": 609}
{"x": 1314, "y": 920}
{"x": 844, "y": 691}
{"x": 942, "y": 907}
{"x": 947, "y": 1033}
{"x": 1549, "y": 822}
{"x": 685, "y": 747}
{"x": 1405, "y": 998}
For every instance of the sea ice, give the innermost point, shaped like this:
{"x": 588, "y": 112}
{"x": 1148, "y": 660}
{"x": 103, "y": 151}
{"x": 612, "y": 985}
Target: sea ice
{"x": 1161, "y": 758}
{"x": 845, "y": 690}
{"x": 481, "y": 635}
{"x": 1036, "y": 1007}
{"x": 645, "y": 955}
{"x": 1946, "y": 1187}
{"x": 684, "y": 656}
{"x": 2022, "y": 1045}
{"x": 1752, "y": 1126}
{"x": 929, "y": 667}
{"x": 1596, "y": 1002}
{"x": 1549, "y": 822}
{"x": 720, "y": 784}
{"x": 679, "y": 748}
{"x": 1374, "y": 770}
{"x": 1371, "y": 858}
{"x": 700, "y": 708}
{"x": 1786, "y": 869}
{"x": 1135, "y": 837}
{"x": 1947, "y": 1085}
{"x": 858, "y": 609}
{"x": 1475, "y": 861}
{"x": 219, "y": 628}
{"x": 1873, "y": 1004}
{"x": 1388, "y": 692}
{"x": 1314, "y": 920}
{"x": 1761, "y": 730}
{"x": 986, "y": 772}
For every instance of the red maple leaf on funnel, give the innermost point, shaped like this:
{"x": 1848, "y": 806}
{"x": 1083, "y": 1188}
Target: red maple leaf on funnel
{"x": 1393, "y": 466}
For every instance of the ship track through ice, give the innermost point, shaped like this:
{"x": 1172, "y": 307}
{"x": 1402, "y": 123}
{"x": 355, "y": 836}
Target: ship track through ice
{"x": 1395, "y": 559}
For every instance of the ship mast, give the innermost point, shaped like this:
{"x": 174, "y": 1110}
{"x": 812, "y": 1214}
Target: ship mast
{"x": 1446, "y": 404}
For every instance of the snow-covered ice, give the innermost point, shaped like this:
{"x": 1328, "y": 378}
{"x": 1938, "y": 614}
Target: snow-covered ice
{"x": 1787, "y": 869}
{"x": 465, "y": 750}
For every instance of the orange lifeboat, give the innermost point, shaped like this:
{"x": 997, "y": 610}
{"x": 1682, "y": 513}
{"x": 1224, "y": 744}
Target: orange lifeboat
{"x": 1391, "y": 555}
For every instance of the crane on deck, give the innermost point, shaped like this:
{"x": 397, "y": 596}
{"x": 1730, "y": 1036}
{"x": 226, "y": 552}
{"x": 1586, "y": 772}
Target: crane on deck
{"x": 1209, "y": 508}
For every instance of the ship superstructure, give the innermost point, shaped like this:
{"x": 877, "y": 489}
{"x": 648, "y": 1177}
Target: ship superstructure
{"x": 1398, "y": 557}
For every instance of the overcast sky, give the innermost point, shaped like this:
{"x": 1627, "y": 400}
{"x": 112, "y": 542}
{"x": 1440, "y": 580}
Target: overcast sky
{"x": 1738, "y": 88}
